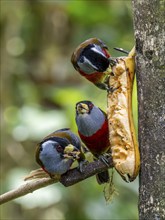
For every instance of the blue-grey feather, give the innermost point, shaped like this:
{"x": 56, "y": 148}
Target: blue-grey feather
{"x": 90, "y": 123}
{"x": 52, "y": 160}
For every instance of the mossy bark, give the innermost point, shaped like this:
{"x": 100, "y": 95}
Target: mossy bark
{"x": 149, "y": 25}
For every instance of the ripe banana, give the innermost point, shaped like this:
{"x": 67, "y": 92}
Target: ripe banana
{"x": 124, "y": 145}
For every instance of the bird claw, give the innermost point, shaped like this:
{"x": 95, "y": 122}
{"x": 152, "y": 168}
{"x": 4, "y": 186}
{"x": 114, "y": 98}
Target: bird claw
{"x": 104, "y": 159}
{"x": 111, "y": 89}
{"x": 112, "y": 61}
{"x": 106, "y": 84}
{"x": 81, "y": 165}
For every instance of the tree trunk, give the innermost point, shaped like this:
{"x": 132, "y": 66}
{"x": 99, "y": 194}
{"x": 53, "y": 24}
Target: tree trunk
{"x": 149, "y": 25}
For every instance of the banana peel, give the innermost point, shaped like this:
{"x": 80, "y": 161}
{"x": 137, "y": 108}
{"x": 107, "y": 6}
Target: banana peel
{"x": 123, "y": 141}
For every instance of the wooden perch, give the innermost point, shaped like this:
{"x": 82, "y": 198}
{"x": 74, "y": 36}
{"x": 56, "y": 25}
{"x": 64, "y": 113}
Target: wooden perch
{"x": 26, "y": 188}
{"x": 74, "y": 176}
{"x": 70, "y": 178}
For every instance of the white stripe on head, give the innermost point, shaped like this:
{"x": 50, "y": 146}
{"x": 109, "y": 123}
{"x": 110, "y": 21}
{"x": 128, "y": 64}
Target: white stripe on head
{"x": 97, "y": 50}
{"x": 86, "y": 66}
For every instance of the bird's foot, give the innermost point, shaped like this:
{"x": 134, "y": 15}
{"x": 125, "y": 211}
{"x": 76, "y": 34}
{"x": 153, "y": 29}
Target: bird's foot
{"x": 112, "y": 61}
{"x": 82, "y": 164}
{"x": 111, "y": 89}
{"x": 104, "y": 159}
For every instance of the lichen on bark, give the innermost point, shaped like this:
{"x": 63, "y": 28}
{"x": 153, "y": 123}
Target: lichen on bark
{"x": 149, "y": 25}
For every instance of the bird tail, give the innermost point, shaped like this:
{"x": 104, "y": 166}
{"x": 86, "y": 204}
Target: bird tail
{"x": 103, "y": 177}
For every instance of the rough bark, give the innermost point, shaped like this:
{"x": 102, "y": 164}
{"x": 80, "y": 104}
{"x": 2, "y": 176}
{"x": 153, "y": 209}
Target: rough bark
{"x": 149, "y": 25}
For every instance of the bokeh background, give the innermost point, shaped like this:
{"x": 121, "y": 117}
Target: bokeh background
{"x": 39, "y": 89}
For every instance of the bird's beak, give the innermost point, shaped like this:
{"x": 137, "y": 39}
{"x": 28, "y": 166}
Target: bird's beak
{"x": 82, "y": 108}
{"x": 69, "y": 149}
{"x": 71, "y": 152}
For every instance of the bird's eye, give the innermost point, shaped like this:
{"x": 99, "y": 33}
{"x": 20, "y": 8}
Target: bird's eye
{"x": 90, "y": 106}
{"x": 59, "y": 148}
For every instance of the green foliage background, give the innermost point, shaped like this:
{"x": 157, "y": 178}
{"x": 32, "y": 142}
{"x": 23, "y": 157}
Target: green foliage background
{"x": 39, "y": 89}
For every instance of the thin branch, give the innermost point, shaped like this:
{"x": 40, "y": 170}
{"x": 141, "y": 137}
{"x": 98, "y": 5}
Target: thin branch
{"x": 28, "y": 187}
{"x": 70, "y": 178}
{"x": 74, "y": 176}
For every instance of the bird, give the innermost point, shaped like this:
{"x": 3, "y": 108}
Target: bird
{"x": 93, "y": 130}
{"x": 57, "y": 152}
{"x": 92, "y": 60}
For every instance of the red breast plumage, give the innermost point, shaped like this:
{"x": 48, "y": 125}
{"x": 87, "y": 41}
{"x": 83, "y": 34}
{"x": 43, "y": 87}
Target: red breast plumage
{"x": 93, "y": 130}
{"x": 98, "y": 143}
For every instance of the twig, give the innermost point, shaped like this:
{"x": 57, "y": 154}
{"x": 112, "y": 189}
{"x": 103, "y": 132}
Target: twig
{"x": 70, "y": 178}
{"x": 74, "y": 176}
{"x": 28, "y": 187}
